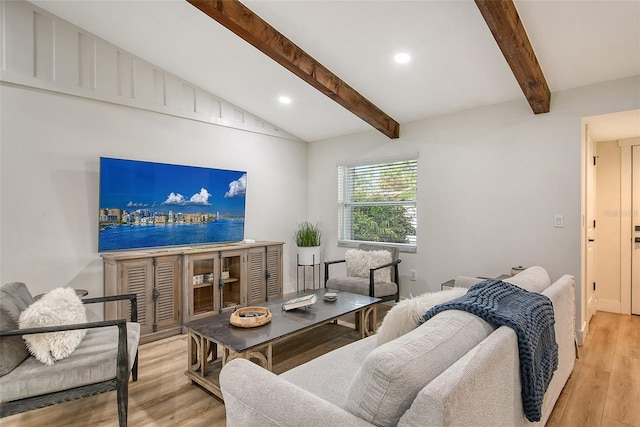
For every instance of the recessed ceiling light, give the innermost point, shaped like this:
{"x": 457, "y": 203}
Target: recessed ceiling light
{"x": 285, "y": 99}
{"x": 402, "y": 58}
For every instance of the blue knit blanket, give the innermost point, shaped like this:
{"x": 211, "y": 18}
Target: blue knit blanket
{"x": 530, "y": 315}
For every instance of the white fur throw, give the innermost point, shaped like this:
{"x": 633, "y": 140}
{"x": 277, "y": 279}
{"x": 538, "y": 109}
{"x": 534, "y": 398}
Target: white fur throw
{"x": 405, "y": 316}
{"x": 60, "y": 306}
{"x": 359, "y": 263}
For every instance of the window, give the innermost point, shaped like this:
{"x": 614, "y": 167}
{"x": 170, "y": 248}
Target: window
{"x": 378, "y": 202}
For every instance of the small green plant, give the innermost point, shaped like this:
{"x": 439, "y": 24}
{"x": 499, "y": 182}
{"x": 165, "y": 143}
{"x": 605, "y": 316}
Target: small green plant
{"x": 307, "y": 234}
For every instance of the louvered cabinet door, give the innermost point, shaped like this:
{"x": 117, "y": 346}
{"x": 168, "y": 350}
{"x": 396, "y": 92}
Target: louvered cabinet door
{"x": 156, "y": 283}
{"x": 167, "y": 284}
{"x": 265, "y": 273}
{"x": 136, "y": 277}
{"x": 257, "y": 291}
{"x": 273, "y": 272}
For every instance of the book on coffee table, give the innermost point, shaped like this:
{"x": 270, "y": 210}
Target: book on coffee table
{"x": 300, "y": 302}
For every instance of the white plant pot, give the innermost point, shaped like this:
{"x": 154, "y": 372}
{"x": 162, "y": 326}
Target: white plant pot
{"x": 308, "y": 255}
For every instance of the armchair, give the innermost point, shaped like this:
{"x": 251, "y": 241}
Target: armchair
{"x": 386, "y": 291}
{"x": 102, "y": 362}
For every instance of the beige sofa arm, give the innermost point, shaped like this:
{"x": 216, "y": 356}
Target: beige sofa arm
{"x": 484, "y": 385}
{"x": 255, "y": 396}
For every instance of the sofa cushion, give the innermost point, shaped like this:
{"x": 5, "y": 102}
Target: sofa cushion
{"x": 360, "y": 285}
{"x": 533, "y": 279}
{"x": 406, "y": 315}
{"x": 60, "y": 306}
{"x": 94, "y": 360}
{"x": 255, "y": 397}
{"x": 392, "y": 375}
{"x": 14, "y": 298}
{"x": 330, "y": 375}
{"x": 359, "y": 264}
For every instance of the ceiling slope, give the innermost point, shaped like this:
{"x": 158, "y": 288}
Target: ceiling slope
{"x": 455, "y": 65}
{"x": 250, "y": 27}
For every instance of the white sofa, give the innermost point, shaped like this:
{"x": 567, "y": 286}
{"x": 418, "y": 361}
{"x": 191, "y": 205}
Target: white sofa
{"x": 453, "y": 370}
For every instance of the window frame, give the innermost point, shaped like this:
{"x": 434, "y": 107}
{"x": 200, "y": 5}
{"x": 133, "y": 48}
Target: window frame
{"x": 345, "y": 205}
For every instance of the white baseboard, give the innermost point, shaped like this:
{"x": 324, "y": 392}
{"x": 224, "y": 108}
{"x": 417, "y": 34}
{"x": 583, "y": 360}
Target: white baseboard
{"x": 581, "y": 333}
{"x": 612, "y": 306}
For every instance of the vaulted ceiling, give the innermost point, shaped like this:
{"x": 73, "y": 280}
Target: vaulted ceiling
{"x": 455, "y": 64}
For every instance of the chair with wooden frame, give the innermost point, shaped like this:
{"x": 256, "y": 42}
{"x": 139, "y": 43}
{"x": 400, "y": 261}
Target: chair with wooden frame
{"x": 97, "y": 348}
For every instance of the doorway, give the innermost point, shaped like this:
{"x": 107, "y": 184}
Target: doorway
{"x": 614, "y": 135}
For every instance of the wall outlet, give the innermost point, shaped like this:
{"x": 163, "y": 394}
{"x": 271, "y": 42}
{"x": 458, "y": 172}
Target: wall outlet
{"x": 413, "y": 275}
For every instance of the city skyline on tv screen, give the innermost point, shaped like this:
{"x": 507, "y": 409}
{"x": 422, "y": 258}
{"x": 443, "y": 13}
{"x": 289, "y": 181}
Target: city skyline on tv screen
{"x": 147, "y": 204}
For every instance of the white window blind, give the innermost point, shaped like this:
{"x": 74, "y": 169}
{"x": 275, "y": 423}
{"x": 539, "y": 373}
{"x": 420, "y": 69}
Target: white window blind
{"x": 378, "y": 203}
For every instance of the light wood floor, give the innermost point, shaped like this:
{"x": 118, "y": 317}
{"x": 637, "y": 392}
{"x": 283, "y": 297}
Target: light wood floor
{"x": 163, "y": 396}
{"x": 603, "y": 390}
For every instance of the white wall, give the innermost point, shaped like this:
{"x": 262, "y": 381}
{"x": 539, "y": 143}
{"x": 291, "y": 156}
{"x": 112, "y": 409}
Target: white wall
{"x": 50, "y": 149}
{"x": 490, "y": 181}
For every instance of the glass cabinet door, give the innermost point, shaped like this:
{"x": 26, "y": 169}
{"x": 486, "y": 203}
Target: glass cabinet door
{"x": 230, "y": 280}
{"x": 204, "y": 285}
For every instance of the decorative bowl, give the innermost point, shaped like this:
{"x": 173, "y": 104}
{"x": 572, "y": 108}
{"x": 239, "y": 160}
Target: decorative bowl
{"x": 250, "y": 317}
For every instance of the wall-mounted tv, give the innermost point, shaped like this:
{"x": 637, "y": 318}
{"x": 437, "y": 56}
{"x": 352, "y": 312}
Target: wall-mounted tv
{"x": 151, "y": 205}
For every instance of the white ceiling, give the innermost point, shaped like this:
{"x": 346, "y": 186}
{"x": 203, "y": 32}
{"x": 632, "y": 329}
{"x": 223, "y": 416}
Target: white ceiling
{"x": 609, "y": 127}
{"x": 456, "y": 64}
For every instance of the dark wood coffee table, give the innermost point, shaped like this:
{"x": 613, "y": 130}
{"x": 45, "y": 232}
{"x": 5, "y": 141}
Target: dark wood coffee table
{"x": 257, "y": 343}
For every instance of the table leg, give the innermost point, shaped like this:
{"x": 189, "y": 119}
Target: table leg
{"x": 192, "y": 353}
{"x": 227, "y": 355}
{"x": 263, "y": 359}
{"x": 373, "y": 319}
{"x": 198, "y": 352}
{"x": 366, "y": 323}
{"x": 269, "y": 351}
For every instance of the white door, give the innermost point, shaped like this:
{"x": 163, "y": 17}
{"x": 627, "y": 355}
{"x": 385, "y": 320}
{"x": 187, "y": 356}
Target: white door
{"x": 590, "y": 168}
{"x": 635, "y": 223}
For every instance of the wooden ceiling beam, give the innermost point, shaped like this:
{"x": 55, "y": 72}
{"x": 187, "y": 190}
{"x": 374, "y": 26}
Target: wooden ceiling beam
{"x": 243, "y": 22}
{"x": 505, "y": 25}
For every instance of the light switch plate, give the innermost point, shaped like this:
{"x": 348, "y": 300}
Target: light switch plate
{"x": 558, "y": 221}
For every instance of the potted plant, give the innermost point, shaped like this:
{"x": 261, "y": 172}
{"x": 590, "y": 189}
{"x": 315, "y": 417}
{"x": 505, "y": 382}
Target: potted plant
{"x": 307, "y": 237}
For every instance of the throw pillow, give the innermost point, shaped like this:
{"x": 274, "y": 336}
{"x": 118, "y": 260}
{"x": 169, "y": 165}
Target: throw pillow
{"x": 58, "y": 307}
{"x": 359, "y": 263}
{"x": 405, "y": 316}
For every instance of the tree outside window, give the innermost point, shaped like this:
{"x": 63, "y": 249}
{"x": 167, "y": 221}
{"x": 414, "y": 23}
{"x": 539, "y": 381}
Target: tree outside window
{"x": 378, "y": 203}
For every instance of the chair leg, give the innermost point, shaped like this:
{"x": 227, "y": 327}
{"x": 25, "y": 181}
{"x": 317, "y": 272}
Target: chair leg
{"x": 123, "y": 403}
{"x": 134, "y": 370}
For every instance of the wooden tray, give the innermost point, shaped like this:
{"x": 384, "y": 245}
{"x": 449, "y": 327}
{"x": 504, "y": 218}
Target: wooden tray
{"x": 250, "y": 317}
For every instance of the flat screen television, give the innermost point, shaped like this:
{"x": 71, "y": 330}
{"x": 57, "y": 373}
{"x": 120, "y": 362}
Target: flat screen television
{"x": 153, "y": 205}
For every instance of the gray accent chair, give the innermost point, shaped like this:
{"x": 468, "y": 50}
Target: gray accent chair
{"x": 102, "y": 362}
{"x": 368, "y": 285}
